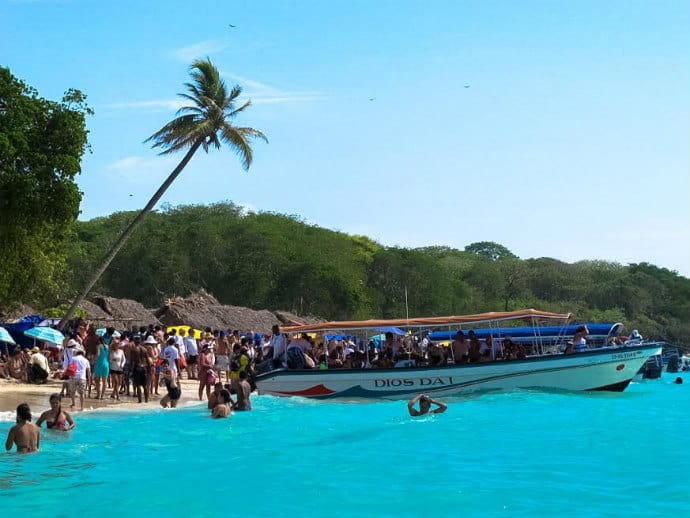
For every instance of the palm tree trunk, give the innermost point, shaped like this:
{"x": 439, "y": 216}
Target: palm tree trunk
{"x": 128, "y": 232}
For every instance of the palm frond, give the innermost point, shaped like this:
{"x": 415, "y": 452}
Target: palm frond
{"x": 206, "y": 119}
{"x": 239, "y": 144}
{"x": 234, "y": 112}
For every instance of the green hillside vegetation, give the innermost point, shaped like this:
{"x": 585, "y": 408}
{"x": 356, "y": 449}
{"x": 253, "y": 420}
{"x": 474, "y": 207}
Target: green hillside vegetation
{"x": 265, "y": 260}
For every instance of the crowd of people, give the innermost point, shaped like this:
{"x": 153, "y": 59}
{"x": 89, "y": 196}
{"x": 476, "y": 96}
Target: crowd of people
{"x": 131, "y": 362}
{"x": 141, "y": 363}
{"x": 321, "y": 352}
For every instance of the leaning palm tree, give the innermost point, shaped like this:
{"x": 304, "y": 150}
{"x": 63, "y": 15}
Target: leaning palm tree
{"x": 206, "y": 122}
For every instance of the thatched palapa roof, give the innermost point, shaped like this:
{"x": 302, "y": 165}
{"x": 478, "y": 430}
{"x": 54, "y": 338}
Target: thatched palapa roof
{"x": 95, "y": 314}
{"x": 125, "y": 313}
{"x": 17, "y": 313}
{"x": 201, "y": 310}
{"x": 290, "y": 319}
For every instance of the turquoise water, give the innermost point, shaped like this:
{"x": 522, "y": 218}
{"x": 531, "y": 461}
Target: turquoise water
{"x": 519, "y": 454}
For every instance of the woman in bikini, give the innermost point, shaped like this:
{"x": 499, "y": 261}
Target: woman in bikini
{"x": 56, "y": 418}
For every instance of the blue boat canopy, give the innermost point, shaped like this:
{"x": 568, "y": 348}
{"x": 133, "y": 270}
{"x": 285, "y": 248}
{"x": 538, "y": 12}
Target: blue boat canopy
{"x": 597, "y": 333}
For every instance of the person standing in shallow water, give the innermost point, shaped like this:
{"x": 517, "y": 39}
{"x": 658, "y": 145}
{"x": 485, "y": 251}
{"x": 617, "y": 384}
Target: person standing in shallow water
{"x": 242, "y": 389}
{"x": 172, "y": 386}
{"x": 25, "y": 435}
{"x": 56, "y": 418}
{"x": 222, "y": 409}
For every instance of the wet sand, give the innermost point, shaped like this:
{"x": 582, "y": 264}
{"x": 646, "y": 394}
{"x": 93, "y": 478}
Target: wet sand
{"x": 13, "y": 393}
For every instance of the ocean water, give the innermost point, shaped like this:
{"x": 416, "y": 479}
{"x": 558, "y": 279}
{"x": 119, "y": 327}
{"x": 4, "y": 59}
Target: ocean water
{"x": 519, "y": 454}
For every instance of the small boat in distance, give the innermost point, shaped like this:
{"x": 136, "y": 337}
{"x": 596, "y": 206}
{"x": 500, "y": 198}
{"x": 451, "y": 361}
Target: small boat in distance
{"x": 605, "y": 367}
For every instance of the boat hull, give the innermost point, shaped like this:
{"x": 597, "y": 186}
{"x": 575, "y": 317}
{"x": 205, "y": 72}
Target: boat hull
{"x": 601, "y": 369}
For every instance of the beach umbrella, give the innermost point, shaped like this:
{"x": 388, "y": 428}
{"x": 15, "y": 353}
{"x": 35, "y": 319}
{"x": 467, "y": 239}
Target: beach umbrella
{"x": 102, "y": 331}
{"x": 45, "y": 334}
{"x": 6, "y": 337}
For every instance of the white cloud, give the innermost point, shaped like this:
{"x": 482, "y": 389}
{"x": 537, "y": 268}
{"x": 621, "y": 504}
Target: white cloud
{"x": 127, "y": 163}
{"x": 262, "y": 93}
{"x": 258, "y": 92}
{"x": 199, "y": 50}
{"x": 253, "y": 85}
{"x": 136, "y": 168}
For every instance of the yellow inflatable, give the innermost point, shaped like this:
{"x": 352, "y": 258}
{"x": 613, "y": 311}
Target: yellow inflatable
{"x": 197, "y": 332}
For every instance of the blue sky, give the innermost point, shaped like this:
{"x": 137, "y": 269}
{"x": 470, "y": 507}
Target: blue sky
{"x": 558, "y": 129}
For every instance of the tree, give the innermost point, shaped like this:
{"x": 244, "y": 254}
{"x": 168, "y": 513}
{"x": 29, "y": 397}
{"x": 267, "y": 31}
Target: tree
{"x": 490, "y": 250}
{"x": 204, "y": 123}
{"x": 41, "y": 145}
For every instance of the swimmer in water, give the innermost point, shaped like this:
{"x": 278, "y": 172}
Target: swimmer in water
{"x": 56, "y": 418}
{"x": 25, "y": 435}
{"x": 425, "y": 403}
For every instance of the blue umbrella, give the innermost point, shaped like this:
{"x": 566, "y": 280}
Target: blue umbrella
{"x": 102, "y": 331}
{"x": 6, "y": 337}
{"x": 45, "y": 334}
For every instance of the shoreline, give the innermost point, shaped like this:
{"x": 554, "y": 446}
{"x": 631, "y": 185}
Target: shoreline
{"x": 13, "y": 392}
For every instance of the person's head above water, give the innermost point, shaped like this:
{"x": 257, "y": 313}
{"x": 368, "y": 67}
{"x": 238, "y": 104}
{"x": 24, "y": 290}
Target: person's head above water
{"x": 24, "y": 412}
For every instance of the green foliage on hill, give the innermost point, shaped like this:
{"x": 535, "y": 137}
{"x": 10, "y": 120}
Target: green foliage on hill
{"x": 275, "y": 261}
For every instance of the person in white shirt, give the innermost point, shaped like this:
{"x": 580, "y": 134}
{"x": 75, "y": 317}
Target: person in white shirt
{"x": 279, "y": 342}
{"x": 68, "y": 353}
{"x": 172, "y": 355}
{"x": 179, "y": 342}
{"x": 192, "y": 350}
{"x": 82, "y": 373}
{"x": 117, "y": 361}
{"x": 39, "y": 369}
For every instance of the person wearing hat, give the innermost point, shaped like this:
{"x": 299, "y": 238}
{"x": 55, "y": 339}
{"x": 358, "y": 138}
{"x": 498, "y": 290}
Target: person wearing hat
{"x": 38, "y": 369}
{"x": 207, "y": 374}
{"x": 153, "y": 353}
{"x": 82, "y": 373}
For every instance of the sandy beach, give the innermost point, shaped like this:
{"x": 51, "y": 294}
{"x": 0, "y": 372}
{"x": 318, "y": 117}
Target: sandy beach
{"x": 12, "y": 393}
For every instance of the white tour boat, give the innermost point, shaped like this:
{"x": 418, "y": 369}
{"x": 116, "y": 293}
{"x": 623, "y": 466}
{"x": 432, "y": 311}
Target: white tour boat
{"x": 609, "y": 368}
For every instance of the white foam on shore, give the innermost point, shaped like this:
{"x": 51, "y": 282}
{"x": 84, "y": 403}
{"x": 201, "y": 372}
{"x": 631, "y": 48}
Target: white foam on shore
{"x": 132, "y": 407}
{"x": 8, "y": 417}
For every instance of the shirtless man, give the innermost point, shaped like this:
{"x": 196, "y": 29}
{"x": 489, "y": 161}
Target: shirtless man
{"x": 138, "y": 357}
{"x": 460, "y": 348}
{"x": 425, "y": 403}
{"x": 25, "y": 435}
{"x": 242, "y": 390}
{"x": 223, "y": 358}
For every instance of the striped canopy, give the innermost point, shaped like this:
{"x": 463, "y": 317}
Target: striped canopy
{"x": 493, "y": 316}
